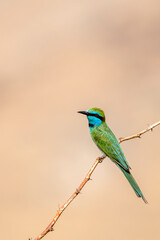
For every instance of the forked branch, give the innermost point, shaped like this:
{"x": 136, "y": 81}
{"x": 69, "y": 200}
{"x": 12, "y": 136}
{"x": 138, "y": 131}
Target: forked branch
{"x": 86, "y": 179}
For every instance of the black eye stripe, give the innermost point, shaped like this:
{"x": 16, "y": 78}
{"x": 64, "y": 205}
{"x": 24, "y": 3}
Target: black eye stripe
{"x": 95, "y": 115}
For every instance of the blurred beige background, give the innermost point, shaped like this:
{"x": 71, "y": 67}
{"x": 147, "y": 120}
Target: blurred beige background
{"x": 58, "y": 57}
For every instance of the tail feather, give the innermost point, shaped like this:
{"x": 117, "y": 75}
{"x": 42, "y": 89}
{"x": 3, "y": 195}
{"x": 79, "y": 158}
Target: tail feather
{"x": 133, "y": 183}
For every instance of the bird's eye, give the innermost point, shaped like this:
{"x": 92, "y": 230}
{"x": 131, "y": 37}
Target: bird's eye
{"x": 97, "y": 115}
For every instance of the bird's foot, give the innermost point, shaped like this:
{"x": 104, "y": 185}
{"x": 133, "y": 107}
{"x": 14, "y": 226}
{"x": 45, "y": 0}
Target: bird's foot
{"x": 101, "y": 158}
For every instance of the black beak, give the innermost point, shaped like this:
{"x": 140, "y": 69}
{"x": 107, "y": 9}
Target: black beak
{"x": 83, "y": 112}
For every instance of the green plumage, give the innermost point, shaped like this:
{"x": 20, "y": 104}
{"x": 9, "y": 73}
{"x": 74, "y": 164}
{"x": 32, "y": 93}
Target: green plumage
{"x": 109, "y": 145}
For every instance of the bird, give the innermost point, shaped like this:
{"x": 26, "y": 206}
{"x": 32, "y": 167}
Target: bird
{"x": 107, "y": 142}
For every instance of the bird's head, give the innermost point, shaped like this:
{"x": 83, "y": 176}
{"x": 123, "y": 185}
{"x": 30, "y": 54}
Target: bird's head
{"x": 95, "y": 116}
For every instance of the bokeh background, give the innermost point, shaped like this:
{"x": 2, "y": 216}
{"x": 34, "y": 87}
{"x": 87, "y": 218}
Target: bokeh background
{"x": 58, "y": 57}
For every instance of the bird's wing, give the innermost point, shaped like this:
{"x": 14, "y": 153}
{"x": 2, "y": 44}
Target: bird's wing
{"x": 108, "y": 143}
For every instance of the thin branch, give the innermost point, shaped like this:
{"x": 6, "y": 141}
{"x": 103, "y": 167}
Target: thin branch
{"x": 138, "y": 135}
{"x": 86, "y": 179}
{"x": 72, "y": 197}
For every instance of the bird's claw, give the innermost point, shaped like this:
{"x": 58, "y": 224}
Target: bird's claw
{"x": 101, "y": 159}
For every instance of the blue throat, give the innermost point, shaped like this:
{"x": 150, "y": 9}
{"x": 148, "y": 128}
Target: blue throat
{"x": 93, "y": 122}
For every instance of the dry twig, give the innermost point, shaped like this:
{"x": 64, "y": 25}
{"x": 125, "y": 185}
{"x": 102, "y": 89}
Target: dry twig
{"x": 138, "y": 135}
{"x": 65, "y": 205}
{"x": 86, "y": 179}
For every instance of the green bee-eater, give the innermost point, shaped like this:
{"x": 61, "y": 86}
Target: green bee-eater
{"x": 109, "y": 145}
